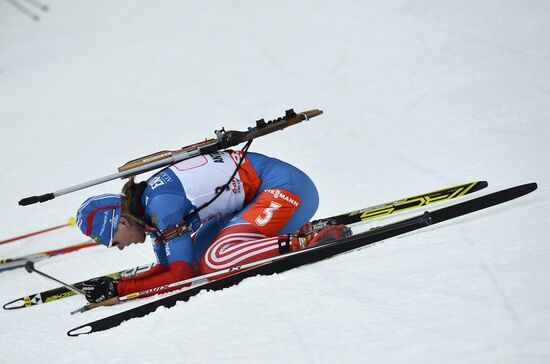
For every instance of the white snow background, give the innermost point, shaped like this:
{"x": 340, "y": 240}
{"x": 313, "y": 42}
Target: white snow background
{"x": 418, "y": 95}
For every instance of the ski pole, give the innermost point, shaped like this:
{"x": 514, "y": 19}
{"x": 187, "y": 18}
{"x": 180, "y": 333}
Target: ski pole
{"x": 39, "y": 5}
{"x": 29, "y": 266}
{"x": 20, "y": 261}
{"x": 23, "y": 10}
{"x": 72, "y": 222}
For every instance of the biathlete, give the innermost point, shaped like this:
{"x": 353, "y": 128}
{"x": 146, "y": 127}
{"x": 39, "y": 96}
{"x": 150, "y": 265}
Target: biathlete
{"x": 205, "y": 214}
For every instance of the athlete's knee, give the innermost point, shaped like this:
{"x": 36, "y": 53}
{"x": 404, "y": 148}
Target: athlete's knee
{"x": 227, "y": 246}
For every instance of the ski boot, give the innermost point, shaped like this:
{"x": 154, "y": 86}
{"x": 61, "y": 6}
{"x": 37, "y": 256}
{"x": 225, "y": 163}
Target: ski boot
{"x": 306, "y": 237}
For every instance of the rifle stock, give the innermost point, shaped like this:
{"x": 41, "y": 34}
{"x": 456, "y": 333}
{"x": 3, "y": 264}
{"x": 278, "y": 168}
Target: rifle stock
{"x": 226, "y": 139}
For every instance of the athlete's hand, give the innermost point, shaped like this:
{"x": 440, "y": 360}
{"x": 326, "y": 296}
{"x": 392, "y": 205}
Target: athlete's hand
{"x": 100, "y": 289}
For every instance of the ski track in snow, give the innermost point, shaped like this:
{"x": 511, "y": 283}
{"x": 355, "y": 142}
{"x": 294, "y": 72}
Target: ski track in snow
{"x": 417, "y": 95}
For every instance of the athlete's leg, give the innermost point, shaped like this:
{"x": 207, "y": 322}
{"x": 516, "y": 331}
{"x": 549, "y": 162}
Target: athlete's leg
{"x": 288, "y": 199}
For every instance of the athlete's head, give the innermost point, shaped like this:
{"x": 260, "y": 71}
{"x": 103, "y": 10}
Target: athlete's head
{"x": 98, "y": 217}
{"x": 102, "y": 218}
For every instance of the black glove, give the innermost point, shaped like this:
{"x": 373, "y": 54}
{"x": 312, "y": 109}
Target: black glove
{"x": 100, "y": 289}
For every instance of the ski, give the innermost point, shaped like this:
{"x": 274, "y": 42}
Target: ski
{"x": 63, "y": 292}
{"x": 314, "y": 254}
{"x": 364, "y": 214}
{"x": 349, "y": 218}
{"x": 401, "y": 205}
{"x": 18, "y": 262}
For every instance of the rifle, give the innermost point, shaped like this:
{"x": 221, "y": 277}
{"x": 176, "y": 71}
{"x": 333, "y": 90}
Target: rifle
{"x": 224, "y": 139}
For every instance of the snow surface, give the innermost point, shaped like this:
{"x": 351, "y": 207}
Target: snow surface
{"x": 417, "y": 94}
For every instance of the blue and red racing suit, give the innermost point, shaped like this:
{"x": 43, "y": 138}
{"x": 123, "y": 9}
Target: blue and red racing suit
{"x": 267, "y": 198}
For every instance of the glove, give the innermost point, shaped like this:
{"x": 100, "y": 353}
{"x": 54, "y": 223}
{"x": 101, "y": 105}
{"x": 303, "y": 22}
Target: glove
{"x": 100, "y": 289}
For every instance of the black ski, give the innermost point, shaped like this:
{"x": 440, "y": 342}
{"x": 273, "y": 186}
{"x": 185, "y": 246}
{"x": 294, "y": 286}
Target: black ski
{"x": 368, "y": 213}
{"x": 314, "y": 254}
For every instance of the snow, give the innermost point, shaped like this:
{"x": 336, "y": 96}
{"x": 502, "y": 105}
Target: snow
{"x": 418, "y": 95}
